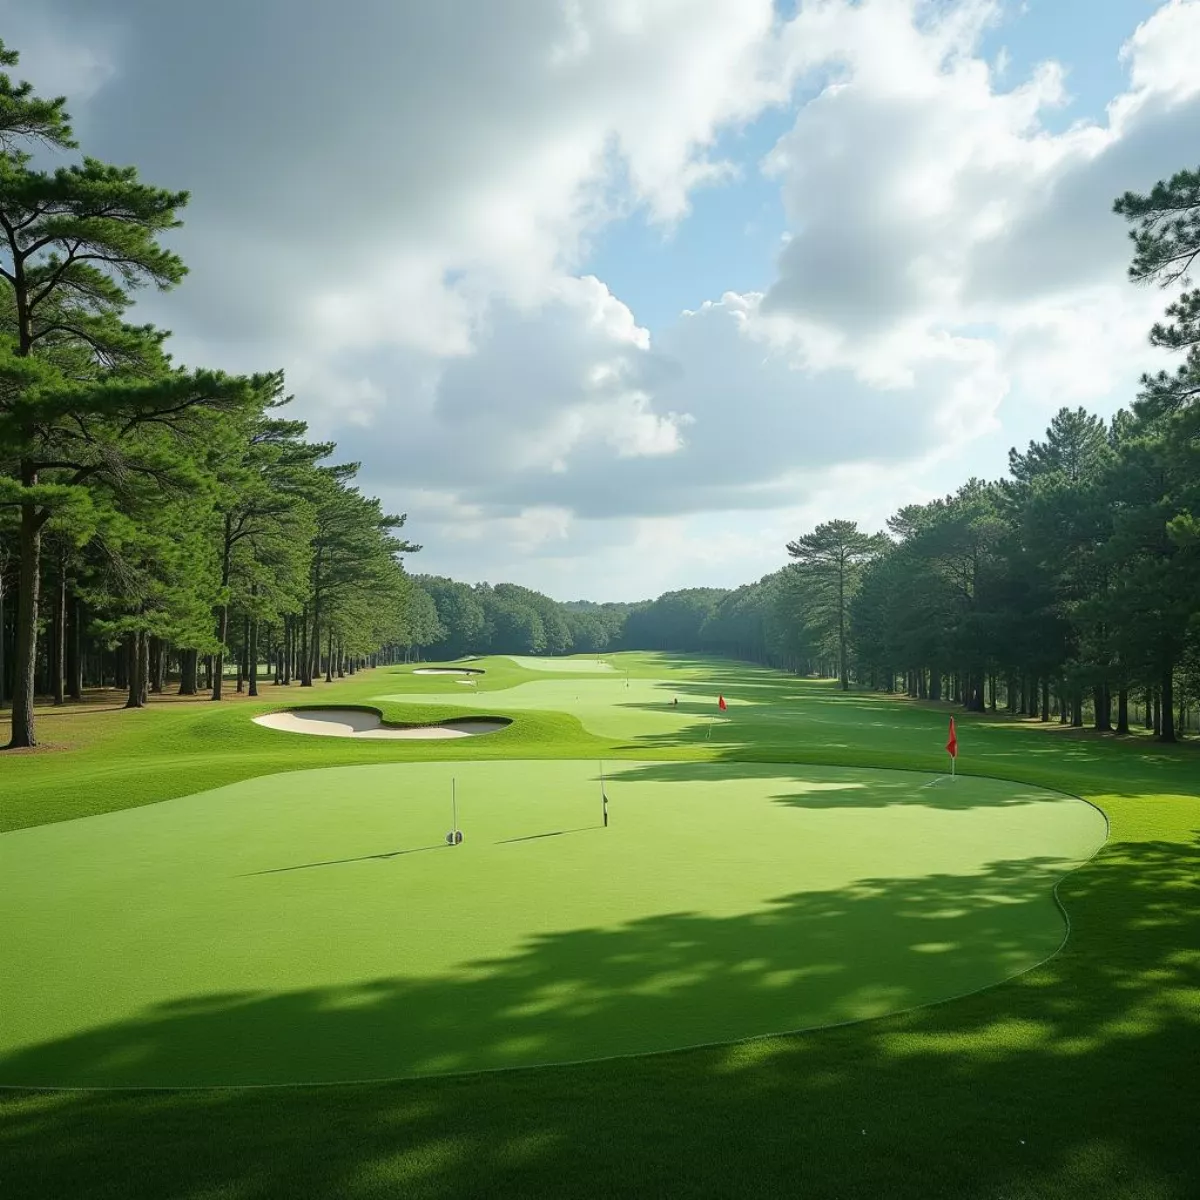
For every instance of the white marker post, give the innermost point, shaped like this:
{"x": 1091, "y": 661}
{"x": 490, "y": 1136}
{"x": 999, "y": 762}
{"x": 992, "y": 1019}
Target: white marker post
{"x": 454, "y": 838}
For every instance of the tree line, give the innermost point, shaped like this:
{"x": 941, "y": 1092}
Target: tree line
{"x": 1068, "y": 590}
{"x": 156, "y": 521}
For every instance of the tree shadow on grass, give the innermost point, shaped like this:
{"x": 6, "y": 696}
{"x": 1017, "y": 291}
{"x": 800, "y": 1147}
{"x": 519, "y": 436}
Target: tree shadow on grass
{"x": 823, "y": 787}
{"x": 680, "y": 979}
{"x": 1072, "y": 1081}
{"x": 818, "y": 732}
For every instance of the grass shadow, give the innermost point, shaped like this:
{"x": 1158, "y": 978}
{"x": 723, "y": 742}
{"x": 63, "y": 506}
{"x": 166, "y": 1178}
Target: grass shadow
{"x": 1007, "y": 1093}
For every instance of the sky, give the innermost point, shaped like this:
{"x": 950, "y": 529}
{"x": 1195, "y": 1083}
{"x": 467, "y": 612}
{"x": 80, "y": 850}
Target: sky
{"x": 612, "y": 297}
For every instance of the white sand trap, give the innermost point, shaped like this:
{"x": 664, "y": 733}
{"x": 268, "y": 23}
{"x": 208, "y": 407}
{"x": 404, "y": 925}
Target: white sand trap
{"x": 446, "y": 671}
{"x": 353, "y": 722}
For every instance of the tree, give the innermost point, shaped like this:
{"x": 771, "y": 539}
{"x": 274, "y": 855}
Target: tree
{"x": 78, "y": 386}
{"x": 1163, "y": 452}
{"x": 25, "y": 117}
{"x": 832, "y": 557}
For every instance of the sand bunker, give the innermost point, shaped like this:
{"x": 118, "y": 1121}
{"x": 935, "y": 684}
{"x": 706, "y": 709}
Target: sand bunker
{"x": 356, "y": 723}
{"x": 447, "y": 671}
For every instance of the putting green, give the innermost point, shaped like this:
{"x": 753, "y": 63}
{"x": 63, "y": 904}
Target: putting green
{"x": 314, "y": 926}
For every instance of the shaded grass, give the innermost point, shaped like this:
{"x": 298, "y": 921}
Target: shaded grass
{"x": 160, "y": 946}
{"x": 1075, "y": 1081}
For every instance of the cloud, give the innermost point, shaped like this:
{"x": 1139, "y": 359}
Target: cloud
{"x": 397, "y": 204}
{"x": 75, "y": 58}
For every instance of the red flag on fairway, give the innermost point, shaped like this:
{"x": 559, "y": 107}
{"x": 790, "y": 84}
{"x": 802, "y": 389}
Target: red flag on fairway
{"x": 952, "y": 744}
{"x": 721, "y": 703}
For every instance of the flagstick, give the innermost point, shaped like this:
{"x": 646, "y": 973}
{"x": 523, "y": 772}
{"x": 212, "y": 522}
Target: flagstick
{"x": 454, "y": 805}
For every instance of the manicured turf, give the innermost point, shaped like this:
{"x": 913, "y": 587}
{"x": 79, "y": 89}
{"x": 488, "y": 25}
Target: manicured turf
{"x": 607, "y": 707}
{"x": 1071, "y": 1081}
{"x": 315, "y": 926}
{"x": 585, "y": 664}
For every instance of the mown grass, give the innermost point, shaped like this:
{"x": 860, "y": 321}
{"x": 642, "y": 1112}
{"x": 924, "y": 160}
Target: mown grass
{"x": 1076, "y": 1080}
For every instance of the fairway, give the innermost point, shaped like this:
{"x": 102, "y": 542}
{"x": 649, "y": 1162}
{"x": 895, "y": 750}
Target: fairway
{"x": 585, "y": 663}
{"x": 314, "y": 925}
{"x": 607, "y": 707}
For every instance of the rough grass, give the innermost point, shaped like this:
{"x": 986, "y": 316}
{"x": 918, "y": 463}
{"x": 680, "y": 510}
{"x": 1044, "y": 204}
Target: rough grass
{"x": 1075, "y": 1080}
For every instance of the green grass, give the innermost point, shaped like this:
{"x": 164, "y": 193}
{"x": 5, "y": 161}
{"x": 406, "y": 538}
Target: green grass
{"x": 1076, "y": 1079}
{"x": 575, "y": 664}
{"x": 324, "y": 931}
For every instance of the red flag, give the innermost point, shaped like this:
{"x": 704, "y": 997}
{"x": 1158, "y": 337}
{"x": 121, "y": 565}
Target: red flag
{"x": 721, "y": 703}
{"x": 952, "y": 744}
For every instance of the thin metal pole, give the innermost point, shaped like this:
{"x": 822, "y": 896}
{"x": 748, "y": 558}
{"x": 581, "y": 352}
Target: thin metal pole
{"x": 454, "y": 804}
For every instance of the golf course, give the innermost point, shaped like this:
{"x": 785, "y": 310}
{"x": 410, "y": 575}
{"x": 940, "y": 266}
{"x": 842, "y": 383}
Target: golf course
{"x": 785, "y": 915}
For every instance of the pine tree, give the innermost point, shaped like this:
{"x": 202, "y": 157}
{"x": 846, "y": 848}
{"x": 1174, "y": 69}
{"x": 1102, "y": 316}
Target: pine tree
{"x": 78, "y": 386}
{"x": 833, "y": 555}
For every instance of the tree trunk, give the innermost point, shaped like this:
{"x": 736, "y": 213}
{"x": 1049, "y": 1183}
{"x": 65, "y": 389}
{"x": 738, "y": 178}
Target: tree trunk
{"x": 218, "y": 659}
{"x": 58, "y": 657}
{"x": 287, "y": 651}
{"x": 1165, "y": 724}
{"x": 1045, "y": 715}
{"x": 1123, "y": 710}
{"x": 3, "y": 671}
{"x": 1102, "y": 702}
{"x": 305, "y": 659}
{"x": 1077, "y": 708}
{"x": 329, "y": 657}
{"x": 244, "y": 657}
{"x": 189, "y": 668}
{"x": 133, "y": 670}
{"x": 144, "y": 666}
{"x": 252, "y": 655}
{"x": 75, "y": 649}
{"x": 843, "y": 670}
{"x": 156, "y": 653}
{"x": 25, "y": 664}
